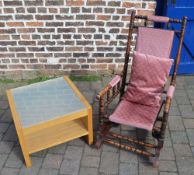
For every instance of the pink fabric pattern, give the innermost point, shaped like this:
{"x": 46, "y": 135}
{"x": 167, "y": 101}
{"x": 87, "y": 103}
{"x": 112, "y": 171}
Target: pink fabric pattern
{"x": 170, "y": 92}
{"x": 156, "y": 42}
{"x": 135, "y": 115}
{"x": 115, "y": 80}
{"x": 157, "y": 18}
{"x": 148, "y": 76}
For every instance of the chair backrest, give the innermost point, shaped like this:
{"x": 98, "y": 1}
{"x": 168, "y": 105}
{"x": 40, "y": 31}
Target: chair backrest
{"x": 152, "y": 41}
{"x": 156, "y": 42}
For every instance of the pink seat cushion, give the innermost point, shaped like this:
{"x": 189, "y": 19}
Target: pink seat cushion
{"x": 136, "y": 115}
{"x": 157, "y": 42}
{"x": 148, "y": 77}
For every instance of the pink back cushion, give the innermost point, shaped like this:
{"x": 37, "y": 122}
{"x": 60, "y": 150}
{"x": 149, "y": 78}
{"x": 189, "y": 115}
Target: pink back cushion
{"x": 155, "y": 42}
{"x": 148, "y": 76}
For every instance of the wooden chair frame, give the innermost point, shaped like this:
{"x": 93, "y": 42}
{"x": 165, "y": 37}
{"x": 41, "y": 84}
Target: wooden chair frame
{"x": 109, "y": 93}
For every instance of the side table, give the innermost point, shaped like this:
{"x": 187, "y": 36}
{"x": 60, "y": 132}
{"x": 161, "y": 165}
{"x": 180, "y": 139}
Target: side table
{"x": 49, "y": 113}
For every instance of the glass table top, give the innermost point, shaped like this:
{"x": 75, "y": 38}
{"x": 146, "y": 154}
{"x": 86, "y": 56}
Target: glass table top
{"x": 44, "y": 101}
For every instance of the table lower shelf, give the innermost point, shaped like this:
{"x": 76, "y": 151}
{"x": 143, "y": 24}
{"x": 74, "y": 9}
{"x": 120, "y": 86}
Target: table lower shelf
{"x": 55, "y": 135}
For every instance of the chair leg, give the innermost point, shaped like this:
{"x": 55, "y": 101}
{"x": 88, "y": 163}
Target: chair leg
{"x": 102, "y": 133}
{"x": 155, "y": 159}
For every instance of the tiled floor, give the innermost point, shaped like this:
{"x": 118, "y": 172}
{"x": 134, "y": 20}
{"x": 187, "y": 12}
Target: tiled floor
{"x": 76, "y": 157}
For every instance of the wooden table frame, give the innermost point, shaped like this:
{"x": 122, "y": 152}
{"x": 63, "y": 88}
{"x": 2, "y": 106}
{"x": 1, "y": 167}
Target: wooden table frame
{"x": 53, "y": 132}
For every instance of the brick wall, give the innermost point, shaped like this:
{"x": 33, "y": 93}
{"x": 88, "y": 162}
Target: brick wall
{"x": 81, "y": 36}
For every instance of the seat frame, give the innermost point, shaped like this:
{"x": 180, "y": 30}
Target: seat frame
{"x": 109, "y": 93}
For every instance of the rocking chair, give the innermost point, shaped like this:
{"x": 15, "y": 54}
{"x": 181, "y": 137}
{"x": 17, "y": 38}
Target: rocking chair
{"x": 141, "y": 98}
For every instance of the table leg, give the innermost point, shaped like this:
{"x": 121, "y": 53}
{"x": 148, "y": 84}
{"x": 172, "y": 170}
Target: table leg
{"x": 89, "y": 126}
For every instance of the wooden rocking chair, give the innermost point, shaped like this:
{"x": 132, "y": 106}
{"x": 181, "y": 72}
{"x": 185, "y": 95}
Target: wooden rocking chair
{"x": 157, "y": 43}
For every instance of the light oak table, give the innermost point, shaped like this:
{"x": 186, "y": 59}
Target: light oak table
{"x": 49, "y": 113}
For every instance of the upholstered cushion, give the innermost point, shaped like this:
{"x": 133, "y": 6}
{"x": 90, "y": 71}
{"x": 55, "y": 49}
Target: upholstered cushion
{"x": 157, "y": 42}
{"x": 148, "y": 77}
{"x": 136, "y": 115}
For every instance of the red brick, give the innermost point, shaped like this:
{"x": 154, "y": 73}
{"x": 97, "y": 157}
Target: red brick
{"x": 7, "y": 55}
{"x": 94, "y": 23}
{"x": 8, "y": 10}
{"x": 31, "y": 10}
{"x": 6, "y": 17}
{"x": 13, "y": 3}
{"x": 15, "y": 60}
{"x": 71, "y": 66}
{"x": 33, "y": 2}
{"x": 25, "y": 55}
{"x": 86, "y": 30}
{"x": 62, "y": 55}
{"x": 3, "y": 49}
{"x": 81, "y": 60}
{"x": 64, "y": 10}
{"x": 145, "y": 12}
{"x": 54, "y": 24}
{"x": 74, "y": 49}
{"x": 34, "y": 24}
{"x": 104, "y": 17}
{"x": 25, "y": 37}
{"x": 54, "y": 2}
{"x": 46, "y": 30}
{"x": 124, "y": 31}
{"x": 4, "y": 37}
{"x": 104, "y": 60}
{"x": 109, "y": 10}
{"x": 15, "y": 24}
{"x": 24, "y": 17}
{"x": 85, "y": 17}
{"x": 32, "y": 60}
{"x": 66, "y": 30}
{"x": 26, "y": 42}
{"x": 64, "y": 17}
{"x": 53, "y": 10}
{"x": 55, "y": 49}
{"x": 41, "y": 60}
{"x": 16, "y": 66}
{"x": 44, "y": 17}
{"x": 26, "y": 30}
{"x": 98, "y": 66}
{"x": 17, "y": 49}
{"x": 96, "y": 3}
{"x": 34, "y": 66}
{"x": 114, "y": 3}
{"x": 101, "y": 42}
{"x": 88, "y": 49}
{"x": 62, "y": 60}
{"x": 3, "y": 66}
{"x": 2, "y": 24}
{"x": 131, "y": 4}
{"x": 20, "y": 10}
{"x": 121, "y": 11}
{"x": 75, "y": 2}
{"x": 85, "y": 66}
{"x": 43, "y": 55}
{"x": 52, "y": 66}
{"x": 2, "y": 31}
{"x": 6, "y": 43}
{"x": 126, "y": 18}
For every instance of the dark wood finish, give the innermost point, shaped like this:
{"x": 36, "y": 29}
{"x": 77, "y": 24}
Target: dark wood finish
{"x": 127, "y": 54}
{"x": 111, "y": 93}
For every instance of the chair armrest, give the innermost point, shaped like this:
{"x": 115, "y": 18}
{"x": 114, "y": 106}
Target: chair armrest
{"x": 109, "y": 86}
{"x": 171, "y": 91}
